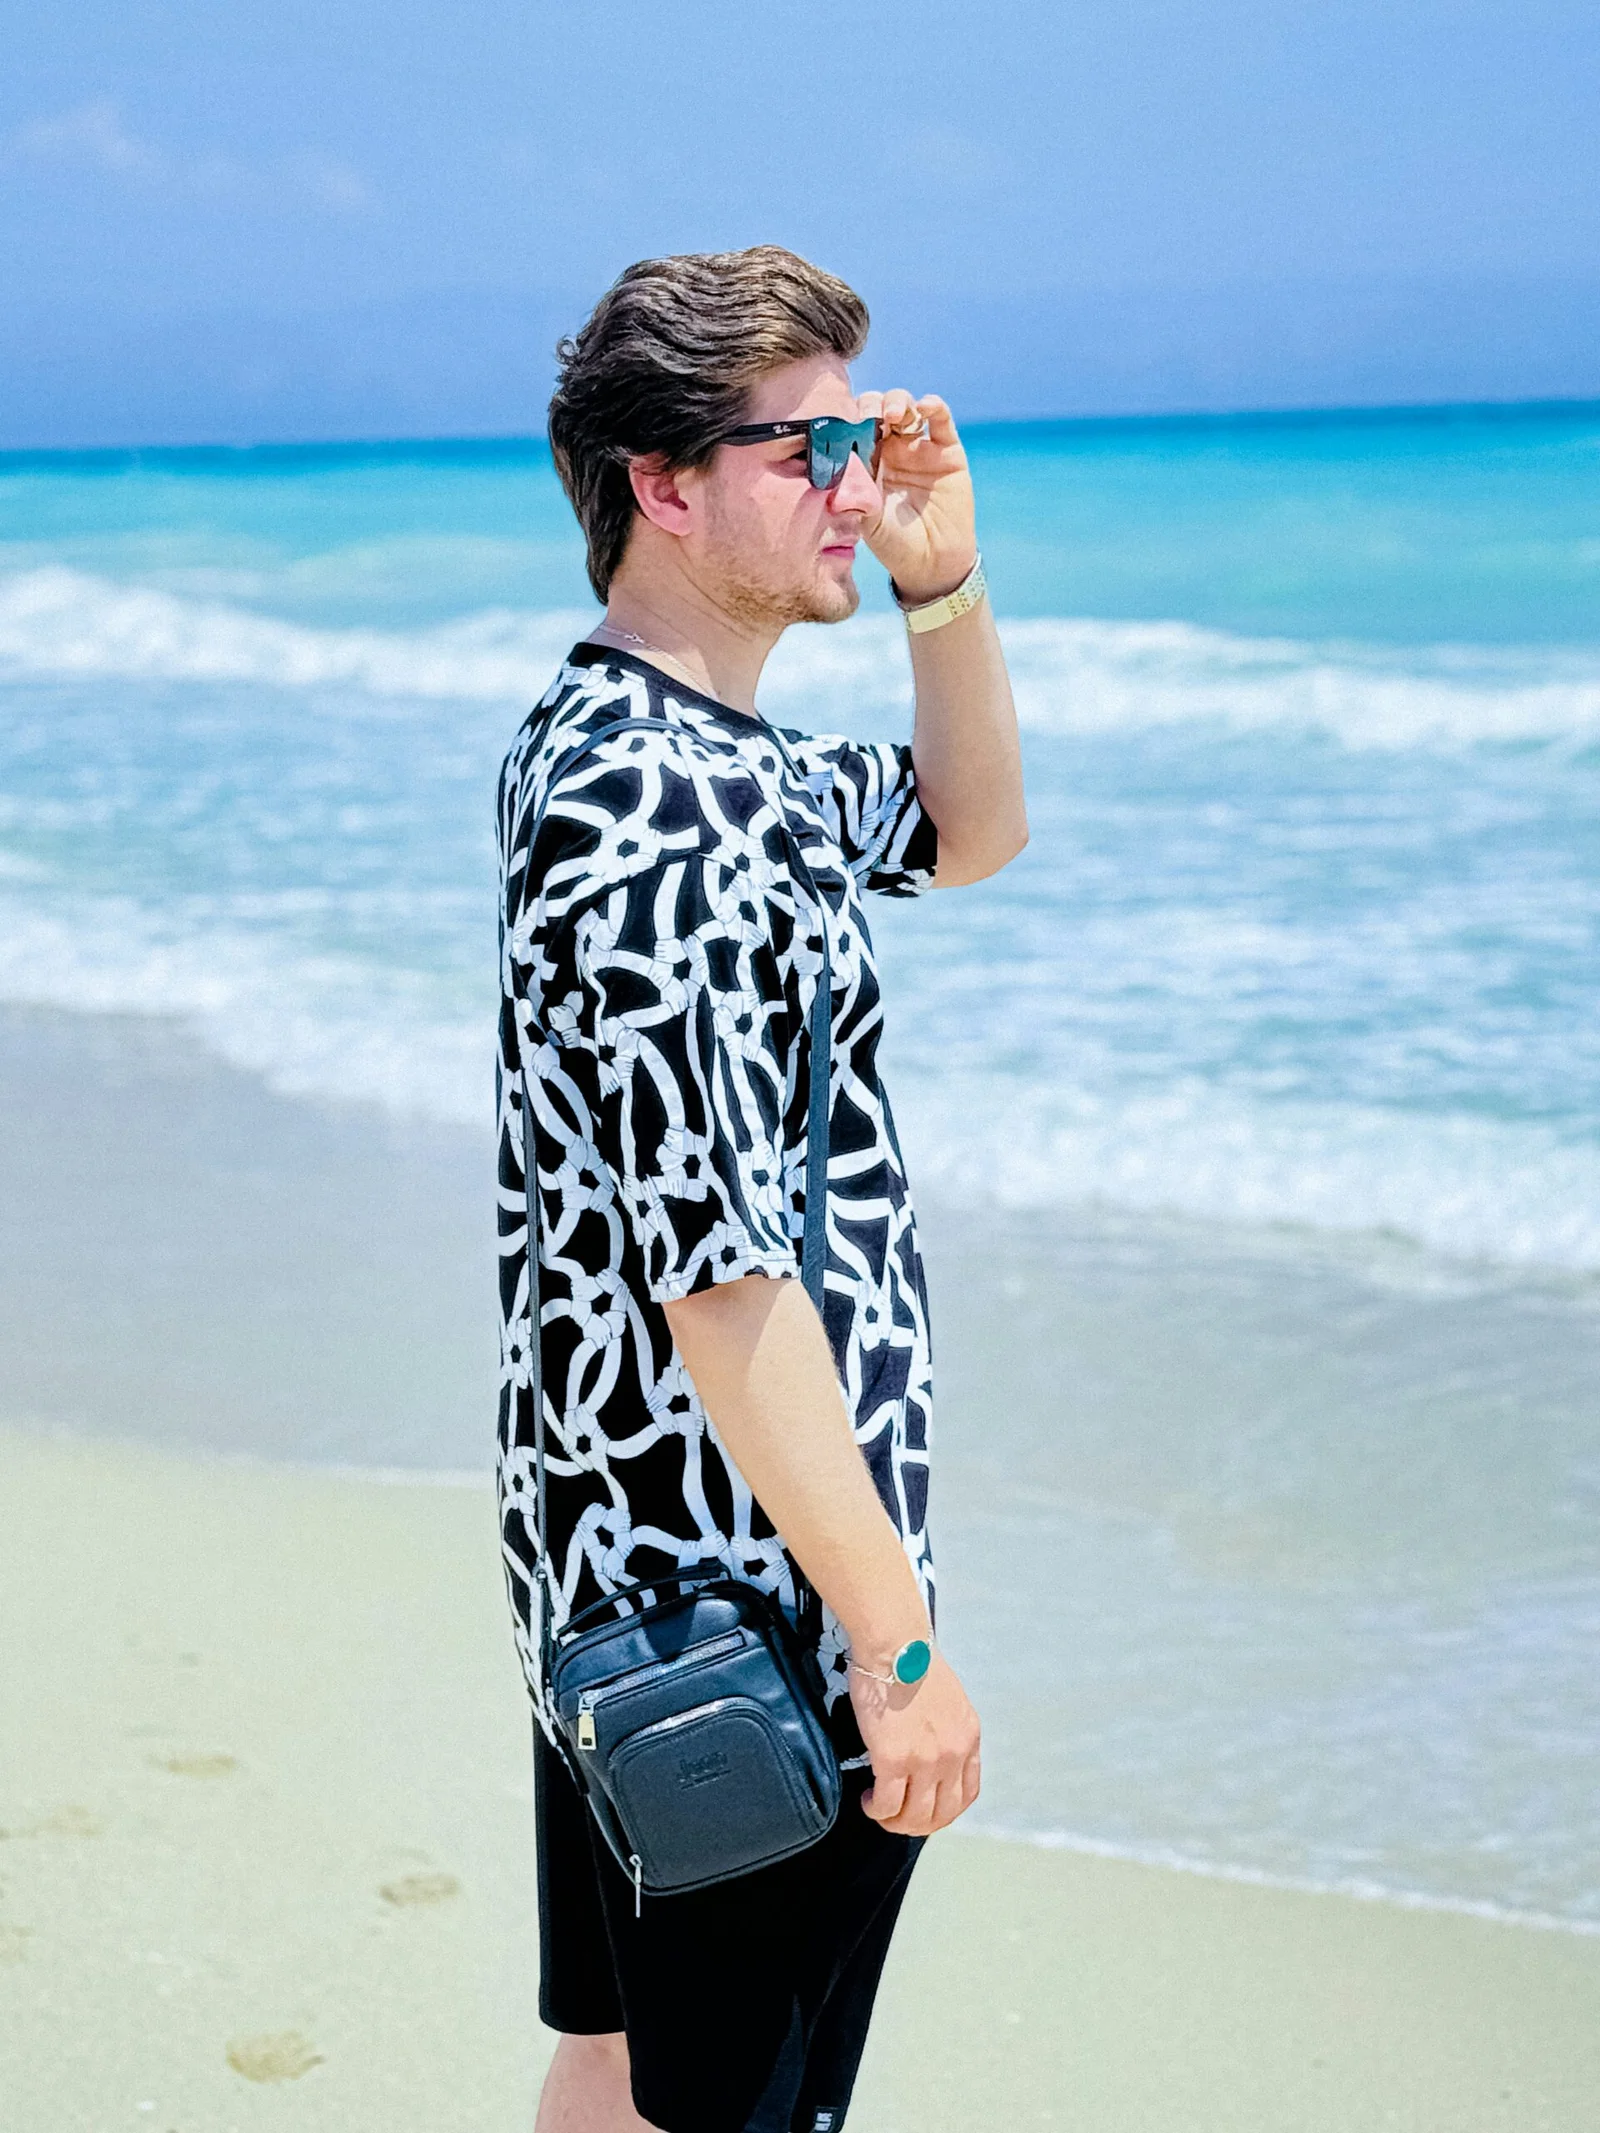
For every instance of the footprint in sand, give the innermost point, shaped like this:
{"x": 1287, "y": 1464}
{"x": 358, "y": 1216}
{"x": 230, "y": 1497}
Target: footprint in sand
{"x": 64, "y": 1822}
{"x": 69, "y": 1822}
{"x": 420, "y": 1888}
{"x": 283, "y": 2056}
{"x": 197, "y": 1766}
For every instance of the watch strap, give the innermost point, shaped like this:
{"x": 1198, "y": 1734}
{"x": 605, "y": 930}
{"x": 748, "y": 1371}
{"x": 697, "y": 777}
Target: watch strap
{"x": 934, "y": 614}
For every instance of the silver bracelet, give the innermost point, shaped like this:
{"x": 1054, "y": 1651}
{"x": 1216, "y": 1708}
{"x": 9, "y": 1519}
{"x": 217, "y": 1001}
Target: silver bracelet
{"x": 906, "y": 1668}
{"x": 934, "y": 614}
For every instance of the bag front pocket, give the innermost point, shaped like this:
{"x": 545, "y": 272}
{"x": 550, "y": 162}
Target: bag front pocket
{"x": 710, "y": 1793}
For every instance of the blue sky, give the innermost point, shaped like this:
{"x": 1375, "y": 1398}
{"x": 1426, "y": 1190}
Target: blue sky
{"x": 370, "y": 217}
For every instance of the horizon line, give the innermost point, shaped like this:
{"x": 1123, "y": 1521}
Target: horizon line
{"x": 529, "y": 444}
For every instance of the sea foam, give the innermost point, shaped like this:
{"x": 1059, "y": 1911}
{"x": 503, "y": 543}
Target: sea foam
{"x": 67, "y": 624}
{"x": 326, "y": 1026}
{"x": 278, "y": 780}
{"x": 1071, "y": 676}
{"x": 1455, "y": 1184}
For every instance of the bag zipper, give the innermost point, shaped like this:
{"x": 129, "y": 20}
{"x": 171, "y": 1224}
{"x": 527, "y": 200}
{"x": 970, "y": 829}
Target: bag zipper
{"x": 641, "y": 1677}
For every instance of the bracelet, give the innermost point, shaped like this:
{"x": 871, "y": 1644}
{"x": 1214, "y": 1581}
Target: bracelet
{"x": 907, "y": 1667}
{"x": 934, "y": 614}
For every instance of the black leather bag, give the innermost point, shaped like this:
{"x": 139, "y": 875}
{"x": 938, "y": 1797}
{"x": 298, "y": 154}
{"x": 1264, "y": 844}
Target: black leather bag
{"x": 688, "y": 1709}
{"x": 694, "y": 1725}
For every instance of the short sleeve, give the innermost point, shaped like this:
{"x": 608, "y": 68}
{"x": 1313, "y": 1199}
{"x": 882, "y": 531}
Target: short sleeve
{"x": 672, "y": 984}
{"x": 868, "y": 791}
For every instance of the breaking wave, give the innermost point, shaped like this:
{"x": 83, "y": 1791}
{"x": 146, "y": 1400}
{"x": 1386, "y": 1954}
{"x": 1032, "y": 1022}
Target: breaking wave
{"x": 1071, "y": 676}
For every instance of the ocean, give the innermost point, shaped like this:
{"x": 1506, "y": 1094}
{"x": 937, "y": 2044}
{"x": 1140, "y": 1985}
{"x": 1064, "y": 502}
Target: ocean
{"x": 1254, "y": 1112}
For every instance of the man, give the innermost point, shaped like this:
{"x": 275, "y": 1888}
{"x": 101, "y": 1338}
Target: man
{"x": 662, "y": 947}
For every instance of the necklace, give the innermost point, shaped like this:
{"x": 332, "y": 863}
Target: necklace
{"x": 610, "y": 629}
{"x": 666, "y": 660}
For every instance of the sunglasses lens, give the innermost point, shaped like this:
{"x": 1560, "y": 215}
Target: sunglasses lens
{"x": 832, "y": 441}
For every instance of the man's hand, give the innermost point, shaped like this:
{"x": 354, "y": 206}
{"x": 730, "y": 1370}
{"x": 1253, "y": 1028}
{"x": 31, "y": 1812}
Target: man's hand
{"x": 926, "y": 537}
{"x": 761, "y": 1363}
{"x": 924, "y": 1745}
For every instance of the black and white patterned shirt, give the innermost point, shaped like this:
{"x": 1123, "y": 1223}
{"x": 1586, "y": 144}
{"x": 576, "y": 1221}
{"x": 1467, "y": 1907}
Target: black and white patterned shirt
{"x": 659, "y": 957}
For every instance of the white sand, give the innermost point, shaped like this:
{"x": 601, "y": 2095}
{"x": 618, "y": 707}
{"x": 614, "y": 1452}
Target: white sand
{"x": 268, "y": 1863}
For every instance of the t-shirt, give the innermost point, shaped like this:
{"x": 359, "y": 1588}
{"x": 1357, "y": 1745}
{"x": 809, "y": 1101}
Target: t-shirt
{"x": 660, "y": 952}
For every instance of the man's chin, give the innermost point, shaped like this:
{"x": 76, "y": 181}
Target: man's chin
{"x": 834, "y": 600}
{"x": 828, "y": 597}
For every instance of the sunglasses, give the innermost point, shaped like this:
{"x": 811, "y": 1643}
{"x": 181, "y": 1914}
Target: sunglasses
{"x": 829, "y": 442}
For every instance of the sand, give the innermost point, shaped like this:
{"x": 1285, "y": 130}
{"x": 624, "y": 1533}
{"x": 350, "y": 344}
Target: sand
{"x": 267, "y": 1862}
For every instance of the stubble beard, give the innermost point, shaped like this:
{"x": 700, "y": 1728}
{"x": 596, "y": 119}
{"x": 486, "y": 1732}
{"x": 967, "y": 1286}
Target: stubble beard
{"x": 768, "y": 604}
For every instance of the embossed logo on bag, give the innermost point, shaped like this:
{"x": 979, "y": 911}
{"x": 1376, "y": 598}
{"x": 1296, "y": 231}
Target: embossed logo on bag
{"x": 702, "y": 1769}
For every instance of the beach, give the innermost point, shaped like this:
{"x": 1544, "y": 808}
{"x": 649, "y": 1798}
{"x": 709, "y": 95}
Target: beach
{"x": 267, "y": 1862}
{"x": 1259, "y": 1551}
{"x": 1251, "y": 1121}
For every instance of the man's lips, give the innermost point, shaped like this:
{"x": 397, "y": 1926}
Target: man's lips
{"x": 845, "y": 548}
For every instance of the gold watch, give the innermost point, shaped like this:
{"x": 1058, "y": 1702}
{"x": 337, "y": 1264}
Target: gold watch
{"x": 934, "y": 614}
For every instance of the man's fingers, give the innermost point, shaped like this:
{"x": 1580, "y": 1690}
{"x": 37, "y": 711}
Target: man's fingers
{"x": 900, "y": 415}
{"x": 933, "y": 1799}
{"x": 941, "y": 423}
{"x": 884, "y": 1798}
{"x": 912, "y": 1797}
{"x": 903, "y": 1804}
{"x": 916, "y": 1817}
{"x": 952, "y": 1802}
{"x": 949, "y": 1791}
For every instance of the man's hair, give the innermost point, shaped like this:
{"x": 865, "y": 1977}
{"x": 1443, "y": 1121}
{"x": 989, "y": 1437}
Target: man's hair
{"x": 666, "y": 363}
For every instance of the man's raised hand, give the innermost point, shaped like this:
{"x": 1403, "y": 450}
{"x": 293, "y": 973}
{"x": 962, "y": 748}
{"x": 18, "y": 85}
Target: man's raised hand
{"x": 926, "y": 536}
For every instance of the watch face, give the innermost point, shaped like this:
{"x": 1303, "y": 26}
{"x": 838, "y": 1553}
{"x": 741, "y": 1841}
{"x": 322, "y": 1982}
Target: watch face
{"x": 913, "y": 1660}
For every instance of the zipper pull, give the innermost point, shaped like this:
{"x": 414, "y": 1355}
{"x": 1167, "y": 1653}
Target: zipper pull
{"x": 638, "y": 1883}
{"x": 586, "y": 1737}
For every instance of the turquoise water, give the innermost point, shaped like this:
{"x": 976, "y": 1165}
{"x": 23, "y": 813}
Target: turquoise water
{"x": 1453, "y": 525}
{"x": 1300, "y": 975}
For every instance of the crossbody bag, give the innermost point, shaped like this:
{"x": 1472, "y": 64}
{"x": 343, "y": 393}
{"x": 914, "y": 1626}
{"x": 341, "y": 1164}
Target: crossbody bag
{"x": 686, "y": 1706}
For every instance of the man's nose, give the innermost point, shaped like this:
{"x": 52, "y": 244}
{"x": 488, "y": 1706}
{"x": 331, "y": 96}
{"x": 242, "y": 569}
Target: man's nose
{"x": 855, "y": 489}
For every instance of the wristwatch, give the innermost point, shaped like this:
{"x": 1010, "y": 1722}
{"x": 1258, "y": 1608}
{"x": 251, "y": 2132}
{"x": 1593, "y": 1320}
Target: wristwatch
{"x": 934, "y": 614}
{"x": 906, "y": 1668}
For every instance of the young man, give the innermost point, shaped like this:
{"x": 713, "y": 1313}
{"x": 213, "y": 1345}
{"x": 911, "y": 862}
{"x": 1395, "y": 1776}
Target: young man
{"x": 662, "y": 947}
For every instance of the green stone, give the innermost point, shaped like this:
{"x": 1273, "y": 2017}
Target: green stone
{"x": 913, "y": 1660}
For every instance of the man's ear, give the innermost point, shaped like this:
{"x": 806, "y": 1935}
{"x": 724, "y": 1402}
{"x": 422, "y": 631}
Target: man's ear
{"x": 658, "y": 492}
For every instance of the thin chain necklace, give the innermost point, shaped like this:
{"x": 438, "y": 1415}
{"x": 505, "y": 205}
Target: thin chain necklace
{"x": 674, "y": 665}
{"x": 612, "y": 629}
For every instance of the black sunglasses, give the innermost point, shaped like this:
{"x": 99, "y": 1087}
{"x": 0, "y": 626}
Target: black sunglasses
{"x": 829, "y": 442}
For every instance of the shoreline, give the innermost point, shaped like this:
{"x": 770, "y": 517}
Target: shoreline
{"x": 1078, "y": 1844}
{"x": 1160, "y": 1859}
{"x": 1294, "y": 1536}
{"x": 268, "y": 1845}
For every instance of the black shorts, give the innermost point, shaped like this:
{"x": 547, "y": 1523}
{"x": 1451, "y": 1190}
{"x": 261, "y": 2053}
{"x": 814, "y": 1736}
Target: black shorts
{"x": 745, "y": 2005}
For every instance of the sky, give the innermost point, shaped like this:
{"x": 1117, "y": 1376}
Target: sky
{"x": 330, "y": 218}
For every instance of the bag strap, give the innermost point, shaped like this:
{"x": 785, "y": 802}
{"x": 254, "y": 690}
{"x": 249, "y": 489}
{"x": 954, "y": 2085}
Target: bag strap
{"x": 814, "y": 1237}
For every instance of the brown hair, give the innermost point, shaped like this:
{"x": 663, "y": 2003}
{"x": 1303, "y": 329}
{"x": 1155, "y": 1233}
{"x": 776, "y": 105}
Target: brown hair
{"x": 665, "y": 364}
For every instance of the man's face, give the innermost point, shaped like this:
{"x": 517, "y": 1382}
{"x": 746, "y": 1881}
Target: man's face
{"x": 766, "y": 546}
